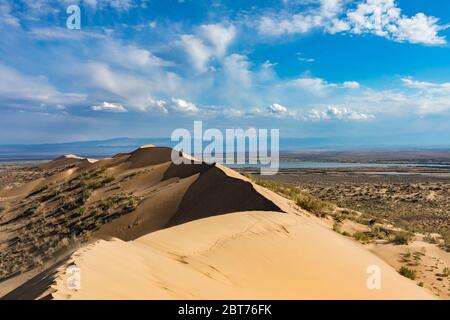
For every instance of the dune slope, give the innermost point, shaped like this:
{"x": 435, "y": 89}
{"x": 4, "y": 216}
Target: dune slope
{"x": 140, "y": 227}
{"x": 244, "y": 255}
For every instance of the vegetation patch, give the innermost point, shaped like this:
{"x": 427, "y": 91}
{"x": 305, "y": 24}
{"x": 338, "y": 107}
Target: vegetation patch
{"x": 408, "y": 273}
{"x": 56, "y": 216}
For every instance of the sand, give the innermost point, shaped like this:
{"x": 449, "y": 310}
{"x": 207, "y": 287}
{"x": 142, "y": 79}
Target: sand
{"x": 207, "y": 232}
{"x": 244, "y": 255}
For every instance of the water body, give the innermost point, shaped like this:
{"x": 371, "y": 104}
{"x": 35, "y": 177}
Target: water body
{"x": 327, "y": 165}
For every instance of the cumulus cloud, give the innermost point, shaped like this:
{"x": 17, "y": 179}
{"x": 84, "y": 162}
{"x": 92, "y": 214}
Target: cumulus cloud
{"x": 338, "y": 113}
{"x": 159, "y": 105}
{"x": 109, "y": 107}
{"x": 277, "y": 109}
{"x": 351, "y": 85}
{"x": 183, "y": 106}
{"x": 211, "y": 41}
{"x": 383, "y": 18}
{"x": 379, "y": 17}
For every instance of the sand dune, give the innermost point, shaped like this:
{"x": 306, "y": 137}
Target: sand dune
{"x": 189, "y": 231}
{"x": 244, "y": 255}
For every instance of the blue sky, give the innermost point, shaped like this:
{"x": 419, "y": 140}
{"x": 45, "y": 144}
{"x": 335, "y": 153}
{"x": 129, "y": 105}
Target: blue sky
{"x": 375, "y": 71}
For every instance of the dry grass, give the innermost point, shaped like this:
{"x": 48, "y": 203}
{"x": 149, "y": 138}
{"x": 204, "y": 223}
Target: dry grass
{"x": 304, "y": 200}
{"x": 55, "y": 217}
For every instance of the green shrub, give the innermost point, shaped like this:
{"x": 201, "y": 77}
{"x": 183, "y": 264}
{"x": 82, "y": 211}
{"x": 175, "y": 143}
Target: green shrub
{"x": 361, "y": 237}
{"x": 402, "y": 238}
{"x": 312, "y": 204}
{"x": 108, "y": 179}
{"x": 408, "y": 273}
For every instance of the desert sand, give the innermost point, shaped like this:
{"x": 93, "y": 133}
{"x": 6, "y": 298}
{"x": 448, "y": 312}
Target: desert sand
{"x": 198, "y": 231}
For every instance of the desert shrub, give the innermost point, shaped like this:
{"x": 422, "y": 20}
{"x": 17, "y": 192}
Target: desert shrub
{"x": 82, "y": 211}
{"x": 279, "y": 188}
{"x": 130, "y": 205}
{"x": 38, "y": 190}
{"x": 337, "y": 227}
{"x": 380, "y": 232}
{"x": 405, "y": 256}
{"x": 446, "y": 272}
{"x": 312, "y": 204}
{"x": 85, "y": 194}
{"x": 108, "y": 179}
{"x": 446, "y": 239}
{"x": 408, "y": 273}
{"x": 430, "y": 239}
{"x": 402, "y": 238}
{"x": 303, "y": 200}
{"x": 361, "y": 237}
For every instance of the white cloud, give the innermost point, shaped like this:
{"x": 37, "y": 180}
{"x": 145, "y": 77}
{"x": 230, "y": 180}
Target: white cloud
{"x": 183, "y": 106}
{"x": 132, "y": 56}
{"x": 218, "y": 36}
{"x": 338, "y": 113}
{"x": 351, "y": 85}
{"x": 59, "y": 33}
{"x": 6, "y": 18}
{"x": 383, "y": 18}
{"x": 109, "y": 107}
{"x": 298, "y": 23}
{"x": 236, "y": 69}
{"x": 314, "y": 85}
{"x": 277, "y": 109}
{"x": 159, "y": 105}
{"x": 210, "y": 42}
{"x": 268, "y": 65}
{"x": 17, "y": 88}
{"x": 428, "y": 97}
{"x": 198, "y": 52}
{"x": 134, "y": 88}
{"x": 122, "y": 84}
{"x": 320, "y": 86}
{"x": 302, "y": 58}
{"x": 379, "y": 17}
{"x": 429, "y": 87}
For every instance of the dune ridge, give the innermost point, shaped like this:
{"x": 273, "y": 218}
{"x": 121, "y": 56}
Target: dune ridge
{"x": 184, "y": 231}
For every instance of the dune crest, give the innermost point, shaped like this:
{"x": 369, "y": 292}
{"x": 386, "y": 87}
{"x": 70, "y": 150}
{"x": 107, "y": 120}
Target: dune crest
{"x": 160, "y": 230}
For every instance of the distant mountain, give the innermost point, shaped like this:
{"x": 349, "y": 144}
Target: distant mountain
{"x": 92, "y": 149}
{"x": 105, "y": 148}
